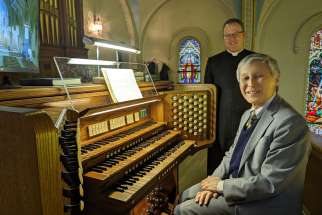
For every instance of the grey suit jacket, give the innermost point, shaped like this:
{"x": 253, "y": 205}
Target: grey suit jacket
{"x": 272, "y": 169}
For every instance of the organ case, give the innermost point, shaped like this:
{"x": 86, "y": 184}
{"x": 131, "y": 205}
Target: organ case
{"x": 123, "y": 152}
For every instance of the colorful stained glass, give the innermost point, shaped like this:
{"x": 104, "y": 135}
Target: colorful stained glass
{"x": 189, "y": 62}
{"x": 314, "y": 90}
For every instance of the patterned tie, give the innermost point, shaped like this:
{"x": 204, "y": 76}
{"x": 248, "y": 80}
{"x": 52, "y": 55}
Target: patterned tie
{"x": 252, "y": 118}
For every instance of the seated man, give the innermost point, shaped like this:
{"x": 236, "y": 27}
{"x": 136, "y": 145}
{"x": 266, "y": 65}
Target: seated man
{"x": 264, "y": 170}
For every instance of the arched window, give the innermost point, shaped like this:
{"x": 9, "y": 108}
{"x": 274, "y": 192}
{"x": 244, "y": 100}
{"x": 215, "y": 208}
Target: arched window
{"x": 314, "y": 89}
{"x": 189, "y": 61}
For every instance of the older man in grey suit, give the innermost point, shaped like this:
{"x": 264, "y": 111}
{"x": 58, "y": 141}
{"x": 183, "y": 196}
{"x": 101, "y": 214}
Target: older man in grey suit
{"x": 264, "y": 170}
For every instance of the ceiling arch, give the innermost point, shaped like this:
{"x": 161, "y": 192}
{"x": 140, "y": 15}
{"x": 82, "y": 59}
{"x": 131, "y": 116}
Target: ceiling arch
{"x": 129, "y": 19}
{"x": 228, "y": 5}
{"x": 266, "y": 11}
{"x": 305, "y": 31}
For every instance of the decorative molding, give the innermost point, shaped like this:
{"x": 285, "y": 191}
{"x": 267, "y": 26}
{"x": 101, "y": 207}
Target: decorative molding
{"x": 227, "y": 5}
{"x": 266, "y": 11}
{"x": 128, "y": 16}
{"x": 130, "y": 24}
{"x": 248, "y": 17}
{"x": 147, "y": 21}
{"x": 189, "y": 32}
{"x": 230, "y": 6}
{"x": 301, "y": 42}
{"x": 184, "y": 33}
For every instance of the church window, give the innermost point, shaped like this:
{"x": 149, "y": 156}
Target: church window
{"x": 314, "y": 85}
{"x": 189, "y": 61}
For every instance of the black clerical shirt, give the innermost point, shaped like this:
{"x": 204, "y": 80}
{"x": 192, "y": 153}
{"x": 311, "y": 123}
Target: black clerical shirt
{"x": 221, "y": 71}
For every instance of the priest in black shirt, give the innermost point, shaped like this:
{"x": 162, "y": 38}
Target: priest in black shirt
{"x": 221, "y": 71}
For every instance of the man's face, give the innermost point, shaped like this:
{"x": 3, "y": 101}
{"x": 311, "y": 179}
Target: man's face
{"x": 257, "y": 83}
{"x": 233, "y": 37}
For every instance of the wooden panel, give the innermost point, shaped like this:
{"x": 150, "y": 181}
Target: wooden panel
{"x": 313, "y": 181}
{"x": 29, "y": 163}
{"x": 34, "y": 92}
{"x": 83, "y": 96}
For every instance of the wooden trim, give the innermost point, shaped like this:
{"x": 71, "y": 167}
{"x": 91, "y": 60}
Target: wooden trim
{"x": 30, "y": 163}
{"x": 36, "y": 95}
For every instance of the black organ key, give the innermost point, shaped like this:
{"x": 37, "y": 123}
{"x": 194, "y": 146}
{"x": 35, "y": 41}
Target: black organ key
{"x": 83, "y": 151}
{"x": 106, "y": 164}
{"x": 95, "y": 169}
{"x": 131, "y": 180}
{"x": 109, "y": 162}
{"x": 122, "y": 186}
{"x": 114, "y": 160}
{"x": 121, "y": 135}
{"x": 113, "y": 139}
{"x": 102, "y": 142}
{"x": 118, "y": 189}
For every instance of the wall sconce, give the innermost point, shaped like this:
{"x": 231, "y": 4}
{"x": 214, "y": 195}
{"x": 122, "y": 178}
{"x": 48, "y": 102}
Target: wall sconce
{"x": 97, "y": 25}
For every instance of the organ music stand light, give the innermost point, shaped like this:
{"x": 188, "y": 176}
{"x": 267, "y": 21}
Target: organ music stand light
{"x": 108, "y": 44}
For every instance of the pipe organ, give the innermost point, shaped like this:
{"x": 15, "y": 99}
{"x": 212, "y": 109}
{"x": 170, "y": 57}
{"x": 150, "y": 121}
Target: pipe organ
{"x": 105, "y": 159}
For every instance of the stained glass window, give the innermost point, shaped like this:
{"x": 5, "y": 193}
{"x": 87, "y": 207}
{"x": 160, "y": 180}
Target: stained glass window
{"x": 314, "y": 90}
{"x": 189, "y": 61}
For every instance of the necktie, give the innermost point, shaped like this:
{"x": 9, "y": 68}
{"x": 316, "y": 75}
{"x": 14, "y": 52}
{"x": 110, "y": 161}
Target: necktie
{"x": 242, "y": 141}
{"x": 252, "y": 118}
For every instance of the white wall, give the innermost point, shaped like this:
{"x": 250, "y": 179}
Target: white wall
{"x": 118, "y": 24}
{"x": 164, "y": 23}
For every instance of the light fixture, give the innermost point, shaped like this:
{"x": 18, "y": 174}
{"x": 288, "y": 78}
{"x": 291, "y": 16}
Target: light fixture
{"x": 81, "y": 61}
{"x": 109, "y": 44}
{"x": 96, "y": 26}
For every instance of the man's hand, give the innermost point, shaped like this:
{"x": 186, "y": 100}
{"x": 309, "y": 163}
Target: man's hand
{"x": 210, "y": 183}
{"x": 203, "y": 197}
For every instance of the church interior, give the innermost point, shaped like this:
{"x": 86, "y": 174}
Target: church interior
{"x": 69, "y": 136}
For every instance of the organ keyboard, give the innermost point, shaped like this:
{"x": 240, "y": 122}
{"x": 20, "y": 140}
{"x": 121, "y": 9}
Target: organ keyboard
{"x": 115, "y": 158}
{"x": 131, "y": 188}
{"x": 136, "y": 151}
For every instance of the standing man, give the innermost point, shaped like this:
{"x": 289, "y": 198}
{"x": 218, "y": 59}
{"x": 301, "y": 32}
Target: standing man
{"x": 221, "y": 70}
{"x": 264, "y": 170}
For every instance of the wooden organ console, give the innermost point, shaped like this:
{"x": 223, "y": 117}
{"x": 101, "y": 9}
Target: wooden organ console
{"x": 104, "y": 158}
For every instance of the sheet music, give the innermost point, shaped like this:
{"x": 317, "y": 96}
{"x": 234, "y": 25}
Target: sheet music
{"x": 121, "y": 84}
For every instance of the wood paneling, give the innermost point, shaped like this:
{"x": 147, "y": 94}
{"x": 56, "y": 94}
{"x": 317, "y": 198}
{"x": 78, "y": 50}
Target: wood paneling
{"x": 313, "y": 181}
{"x": 30, "y": 164}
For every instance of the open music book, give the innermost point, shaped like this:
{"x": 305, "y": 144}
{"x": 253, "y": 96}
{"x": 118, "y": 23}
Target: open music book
{"x": 121, "y": 84}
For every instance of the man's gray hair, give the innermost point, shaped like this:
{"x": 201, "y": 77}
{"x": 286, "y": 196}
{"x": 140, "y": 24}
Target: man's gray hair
{"x": 268, "y": 60}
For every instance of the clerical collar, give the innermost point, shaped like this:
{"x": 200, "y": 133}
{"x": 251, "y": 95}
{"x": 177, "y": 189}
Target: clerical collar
{"x": 259, "y": 110}
{"x": 234, "y": 53}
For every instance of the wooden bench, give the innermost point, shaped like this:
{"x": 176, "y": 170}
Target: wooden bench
{"x": 313, "y": 181}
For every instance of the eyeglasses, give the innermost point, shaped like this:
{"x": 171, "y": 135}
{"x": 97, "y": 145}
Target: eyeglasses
{"x": 233, "y": 35}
